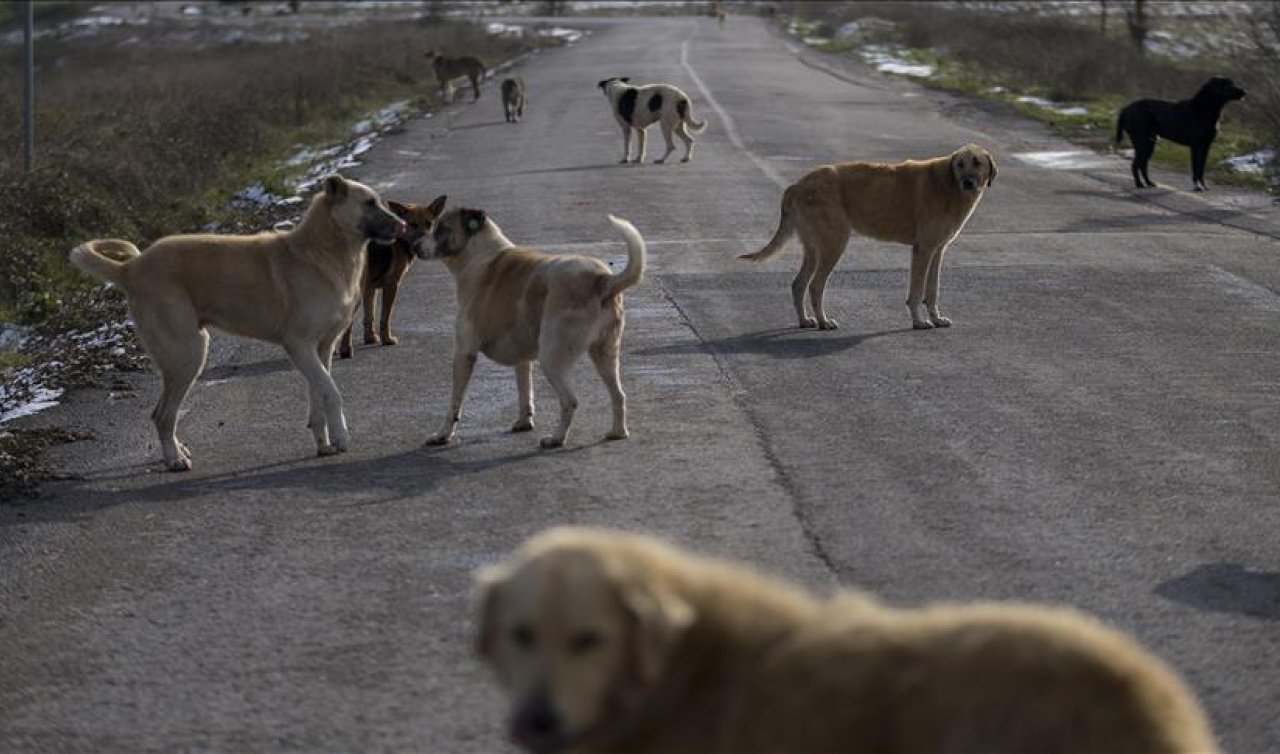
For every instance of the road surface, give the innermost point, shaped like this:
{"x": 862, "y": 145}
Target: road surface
{"x": 1099, "y": 428}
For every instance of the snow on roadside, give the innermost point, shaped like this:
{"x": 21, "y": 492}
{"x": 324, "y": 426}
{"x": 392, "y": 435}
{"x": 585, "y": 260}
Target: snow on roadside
{"x": 1255, "y": 163}
{"x": 1057, "y": 107}
{"x": 884, "y": 60}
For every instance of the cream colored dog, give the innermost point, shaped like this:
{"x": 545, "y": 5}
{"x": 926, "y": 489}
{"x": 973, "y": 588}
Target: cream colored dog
{"x": 611, "y": 642}
{"x": 924, "y": 204}
{"x": 638, "y": 107}
{"x": 518, "y": 305}
{"x": 298, "y": 289}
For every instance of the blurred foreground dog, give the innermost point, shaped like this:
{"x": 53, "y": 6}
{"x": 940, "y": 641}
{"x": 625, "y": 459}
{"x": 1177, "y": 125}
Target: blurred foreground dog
{"x": 513, "y": 99}
{"x": 518, "y": 305}
{"x": 1191, "y": 123}
{"x": 638, "y": 107}
{"x": 387, "y": 265}
{"x": 447, "y": 69}
{"x": 298, "y": 289}
{"x": 610, "y": 642}
{"x": 923, "y": 203}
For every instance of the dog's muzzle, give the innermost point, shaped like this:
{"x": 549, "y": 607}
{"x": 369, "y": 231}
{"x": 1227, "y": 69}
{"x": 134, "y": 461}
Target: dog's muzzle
{"x": 536, "y": 726}
{"x": 969, "y": 184}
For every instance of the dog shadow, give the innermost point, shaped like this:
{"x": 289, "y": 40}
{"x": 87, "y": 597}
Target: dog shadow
{"x": 575, "y": 168}
{"x": 780, "y": 343}
{"x": 250, "y": 369}
{"x": 486, "y": 124}
{"x": 1226, "y": 588}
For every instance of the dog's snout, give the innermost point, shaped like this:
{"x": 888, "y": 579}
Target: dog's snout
{"x": 537, "y": 726}
{"x": 402, "y": 229}
{"x": 968, "y": 183}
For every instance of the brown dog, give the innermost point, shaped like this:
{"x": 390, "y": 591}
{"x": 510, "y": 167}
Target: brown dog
{"x": 520, "y": 305}
{"x": 447, "y": 69}
{"x": 921, "y": 203}
{"x": 611, "y": 642}
{"x": 297, "y": 289}
{"x": 387, "y": 265}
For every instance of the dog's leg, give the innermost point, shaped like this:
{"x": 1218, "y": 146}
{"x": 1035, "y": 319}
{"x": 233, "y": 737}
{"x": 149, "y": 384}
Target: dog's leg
{"x": 524, "y": 389}
{"x": 920, "y": 256}
{"x": 347, "y": 344}
{"x": 179, "y": 357}
{"x": 370, "y": 308}
{"x": 389, "y": 292}
{"x": 556, "y": 357}
{"x": 475, "y": 86}
{"x": 1199, "y": 156}
{"x": 818, "y": 286}
{"x": 671, "y": 147}
{"x": 463, "y": 364}
{"x": 1142, "y": 151}
{"x": 604, "y": 354}
{"x": 641, "y": 138}
{"x": 800, "y": 287}
{"x": 626, "y": 144}
{"x": 932, "y": 280}
{"x": 683, "y": 133}
{"x": 327, "y": 423}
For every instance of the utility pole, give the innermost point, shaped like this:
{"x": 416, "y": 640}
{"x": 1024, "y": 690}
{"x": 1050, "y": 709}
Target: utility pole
{"x": 29, "y": 86}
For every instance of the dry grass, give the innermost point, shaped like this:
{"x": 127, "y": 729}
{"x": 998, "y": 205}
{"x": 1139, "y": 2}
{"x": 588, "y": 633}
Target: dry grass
{"x": 142, "y": 142}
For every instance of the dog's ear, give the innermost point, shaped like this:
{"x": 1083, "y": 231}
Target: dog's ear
{"x": 335, "y": 185}
{"x": 604, "y": 83}
{"x": 436, "y": 207}
{"x": 991, "y": 163}
{"x": 659, "y": 619}
{"x": 402, "y": 211}
{"x": 625, "y": 79}
{"x": 473, "y": 220}
{"x": 488, "y": 581}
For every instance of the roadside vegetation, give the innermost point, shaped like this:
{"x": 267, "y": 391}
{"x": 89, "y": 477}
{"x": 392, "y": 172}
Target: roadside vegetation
{"x": 147, "y": 130}
{"x": 1063, "y": 64}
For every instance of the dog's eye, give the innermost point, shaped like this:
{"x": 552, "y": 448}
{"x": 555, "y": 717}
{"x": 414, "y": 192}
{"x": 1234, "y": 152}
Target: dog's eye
{"x": 584, "y": 642}
{"x": 522, "y": 636}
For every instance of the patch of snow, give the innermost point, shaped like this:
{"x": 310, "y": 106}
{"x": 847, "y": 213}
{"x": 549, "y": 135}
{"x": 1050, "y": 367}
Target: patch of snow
{"x": 38, "y": 400}
{"x": 1076, "y": 159}
{"x": 886, "y": 61}
{"x": 1056, "y": 107}
{"x": 559, "y": 32}
{"x": 498, "y": 29}
{"x": 1255, "y": 163}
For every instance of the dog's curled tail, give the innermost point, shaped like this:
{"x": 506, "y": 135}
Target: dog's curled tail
{"x": 682, "y": 107}
{"x": 786, "y": 227}
{"x": 634, "y": 270}
{"x": 104, "y": 258}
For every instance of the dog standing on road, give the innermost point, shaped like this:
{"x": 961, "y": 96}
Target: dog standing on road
{"x": 387, "y": 265}
{"x": 447, "y": 69}
{"x": 613, "y": 642}
{"x": 638, "y": 107}
{"x": 513, "y": 99}
{"x": 518, "y": 305}
{"x": 1191, "y": 123}
{"x": 923, "y": 203}
{"x": 298, "y": 289}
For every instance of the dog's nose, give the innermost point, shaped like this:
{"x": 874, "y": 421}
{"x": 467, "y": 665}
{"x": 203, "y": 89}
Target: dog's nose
{"x": 536, "y": 725}
{"x": 402, "y": 229}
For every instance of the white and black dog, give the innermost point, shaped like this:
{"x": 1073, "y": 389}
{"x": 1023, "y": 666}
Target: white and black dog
{"x": 639, "y": 107}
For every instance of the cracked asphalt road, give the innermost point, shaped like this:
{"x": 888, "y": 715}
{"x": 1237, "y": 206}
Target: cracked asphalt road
{"x": 1100, "y": 427}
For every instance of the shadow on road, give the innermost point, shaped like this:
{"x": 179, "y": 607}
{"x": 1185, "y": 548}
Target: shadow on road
{"x": 787, "y": 343}
{"x": 251, "y": 369}
{"x": 1226, "y": 588}
{"x": 574, "y": 168}
{"x": 486, "y": 124}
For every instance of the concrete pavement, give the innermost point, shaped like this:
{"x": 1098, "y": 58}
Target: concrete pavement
{"x": 1099, "y": 428}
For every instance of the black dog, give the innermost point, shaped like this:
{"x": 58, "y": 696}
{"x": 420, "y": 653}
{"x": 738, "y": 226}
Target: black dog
{"x": 1192, "y": 123}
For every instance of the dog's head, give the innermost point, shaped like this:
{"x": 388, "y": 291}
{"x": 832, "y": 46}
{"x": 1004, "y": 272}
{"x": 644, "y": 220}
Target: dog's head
{"x": 576, "y": 631}
{"x": 452, "y": 233}
{"x": 973, "y": 168}
{"x": 420, "y": 221}
{"x": 1219, "y": 90}
{"x": 604, "y": 85}
{"x": 358, "y": 210}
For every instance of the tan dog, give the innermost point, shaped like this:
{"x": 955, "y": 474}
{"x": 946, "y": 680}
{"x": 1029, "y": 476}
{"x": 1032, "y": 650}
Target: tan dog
{"x": 297, "y": 289}
{"x": 638, "y": 107}
{"x": 611, "y": 642}
{"x": 386, "y": 267}
{"x": 447, "y": 69}
{"x": 924, "y": 204}
{"x": 518, "y": 305}
{"x": 513, "y": 99}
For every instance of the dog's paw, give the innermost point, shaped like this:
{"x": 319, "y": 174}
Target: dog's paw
{"x": 684, "y": 159}
{"x": 525, "y": 424}
{"x": 659, "y": 161}
{"x": 548, "y": 443}
{"x": 615, "y": 435}
{"x": 327, "y": 450}
{"x": 371, "y": 339}
{"x": 389, "y": 340}
{"x": 940, "y": 321}
{"x": 623, "y": 161}
{"x": 181, "y": 463}
{"x": 921, "y": 325}
{"x": 828, "y": 324}
{"x": 808, "y": 323}
{"x": 438, "y": 441}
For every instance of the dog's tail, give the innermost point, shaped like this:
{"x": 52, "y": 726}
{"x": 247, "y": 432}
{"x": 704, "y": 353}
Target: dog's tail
{"x": 106, "y": 258}
{"x": 786, "y": 227}
{"x": 634, "y": 270}
{"x": 682, "y": 107}
{"x": 1119, "y": 128}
